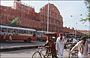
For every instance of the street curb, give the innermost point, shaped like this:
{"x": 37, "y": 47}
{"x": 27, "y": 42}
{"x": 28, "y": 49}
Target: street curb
{"x": 18, "y": 48}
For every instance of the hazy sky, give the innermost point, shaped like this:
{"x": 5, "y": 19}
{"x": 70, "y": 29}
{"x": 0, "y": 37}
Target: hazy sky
{"x": 66, "y": 8}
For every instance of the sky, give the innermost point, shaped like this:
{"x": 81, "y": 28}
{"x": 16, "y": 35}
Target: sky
{"x": 70, "y": 11}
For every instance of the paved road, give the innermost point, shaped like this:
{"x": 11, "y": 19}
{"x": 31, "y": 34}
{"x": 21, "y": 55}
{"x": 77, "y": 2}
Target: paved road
{"x": 15, "y": 44}
{"x": 27, "y": 53}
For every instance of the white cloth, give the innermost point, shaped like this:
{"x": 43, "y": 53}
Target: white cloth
{"x": 10, "y": 37}
{"x": 60, "y": 46}
{"x": 80, "y": 55}
{"x": 74, "y": 40}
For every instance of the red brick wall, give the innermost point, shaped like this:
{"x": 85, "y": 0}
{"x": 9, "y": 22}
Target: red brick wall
{"x": 26, "y": 14}
{"x": 30, "y": 19}
{"x": 55, "y": 19}
{"x": 68, "y": 30}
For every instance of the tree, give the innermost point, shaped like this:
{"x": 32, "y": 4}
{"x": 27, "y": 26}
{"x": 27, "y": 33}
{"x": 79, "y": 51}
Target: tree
{"x": 14, "y": 22}
{"x": 87, "y": 3}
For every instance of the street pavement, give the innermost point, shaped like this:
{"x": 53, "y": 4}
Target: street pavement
{"x": 27, "y": 53}
{"x": 22, "y": 44}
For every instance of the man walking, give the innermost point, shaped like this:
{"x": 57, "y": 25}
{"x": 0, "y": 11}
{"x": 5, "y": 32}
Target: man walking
{"x": 60, "y": 45}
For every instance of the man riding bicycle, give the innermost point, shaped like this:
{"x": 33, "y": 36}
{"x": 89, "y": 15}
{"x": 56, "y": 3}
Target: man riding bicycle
{"x": 50, "y": 47}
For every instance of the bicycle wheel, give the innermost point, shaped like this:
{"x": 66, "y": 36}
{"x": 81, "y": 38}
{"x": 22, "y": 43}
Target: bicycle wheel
{"x": 75, "y": 54}
{"x": 43, "y": 52}
{"x": 37, "y": 54}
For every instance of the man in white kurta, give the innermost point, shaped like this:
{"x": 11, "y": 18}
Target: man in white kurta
{"x": 60, "y": 46}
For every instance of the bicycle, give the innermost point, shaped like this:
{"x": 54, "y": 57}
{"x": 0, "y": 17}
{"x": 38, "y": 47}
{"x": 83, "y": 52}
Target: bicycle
{"x": 74, "y": 54}
{"x": 41, "y": 53}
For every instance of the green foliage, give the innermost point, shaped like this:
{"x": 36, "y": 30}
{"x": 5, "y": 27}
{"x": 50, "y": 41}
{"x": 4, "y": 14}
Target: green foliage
{"x": 85, "y": 19}
{"x": 14, "y": 22}
{"x": 87, "y": 2}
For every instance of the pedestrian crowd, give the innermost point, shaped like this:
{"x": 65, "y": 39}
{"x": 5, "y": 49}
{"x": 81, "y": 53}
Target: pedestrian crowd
{"x": 57, "y": 48}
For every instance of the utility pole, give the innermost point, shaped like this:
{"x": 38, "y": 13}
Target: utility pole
{"x": 48, "y": 18}
{"x": 89, "y": 29}
{"x": 76, "y": 30}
